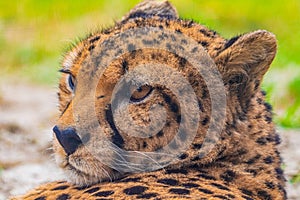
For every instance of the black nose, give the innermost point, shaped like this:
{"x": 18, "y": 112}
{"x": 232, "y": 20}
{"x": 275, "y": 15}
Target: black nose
{"x": 68, "y": 139}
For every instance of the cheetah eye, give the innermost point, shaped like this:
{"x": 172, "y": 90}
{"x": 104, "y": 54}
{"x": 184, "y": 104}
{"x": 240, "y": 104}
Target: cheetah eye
{"x": 141, "y": 93}
{"x": 71, "y": 82}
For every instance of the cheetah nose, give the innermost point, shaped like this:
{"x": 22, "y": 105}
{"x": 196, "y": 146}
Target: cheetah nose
{"x": 68, "y": 139}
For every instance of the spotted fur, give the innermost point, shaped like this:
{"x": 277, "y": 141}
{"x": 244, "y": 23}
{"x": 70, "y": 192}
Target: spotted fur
{"x": 244, "y": 163}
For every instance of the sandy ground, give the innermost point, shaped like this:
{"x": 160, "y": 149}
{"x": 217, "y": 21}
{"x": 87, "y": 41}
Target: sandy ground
{"x": 27, "y": 115}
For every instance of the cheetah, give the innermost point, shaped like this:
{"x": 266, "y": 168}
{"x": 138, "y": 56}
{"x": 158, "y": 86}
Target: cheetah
{"x": 162, "y": 148}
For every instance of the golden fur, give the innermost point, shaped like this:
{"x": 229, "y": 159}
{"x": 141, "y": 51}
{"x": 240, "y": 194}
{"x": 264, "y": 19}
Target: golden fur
{"x": 244, "y": 163}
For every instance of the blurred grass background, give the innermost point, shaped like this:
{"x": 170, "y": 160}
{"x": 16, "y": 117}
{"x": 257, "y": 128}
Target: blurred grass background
{"x": 33, "y": 34}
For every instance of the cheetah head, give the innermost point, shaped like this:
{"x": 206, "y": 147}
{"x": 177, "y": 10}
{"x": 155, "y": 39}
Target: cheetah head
{"x": 151, "y": 108}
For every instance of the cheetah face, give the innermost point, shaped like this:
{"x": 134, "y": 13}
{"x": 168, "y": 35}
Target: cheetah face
{"x": 149, "y": 107}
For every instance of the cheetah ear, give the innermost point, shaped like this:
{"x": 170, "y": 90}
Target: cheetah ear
{"x": 152, "y": 8}
{"x": 244, "y": 62}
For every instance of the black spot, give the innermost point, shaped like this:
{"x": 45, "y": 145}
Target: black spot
{"x": 263, "y": 194}
{"x": 147, "y": 42}
{"x": 218, "y": 48}
{"x": 117, "y": 139}
{"x": 252, "y": 171}
{"x": 190, "y": 185}
{"x": 176, "y": 171}
{"x": 197, "y": 146}
{"x": 167, "y": 98}
{"x": 221, "y": 197}
{"x": 277, "y": 139}
{"x": 281, "y": 188}
{"x": 168, "y": 124}
{"x": 207, "y": 177}
{"x": 92, "y": 190}
{"x": 40, "y": 198}
{"x": 228, "y": 175}
{"x": 188, "y": 24}
{"x": 242, "y": 117}
{"x": 125, "y": 66}
{"x": 242, "y": 151}
{"x": 253, "y": 160}
{"x": 182, "y": 62}
{"x": 178, "y": 30}
{"x": 246, "y": 192}
{"x": 237, "y": 79}
{"x": 203, "y": 43}
{"x": 268, "y": 160}
{"x": 268, "y": 106}
{"x": 261, "y": 141}
{"x": 279, "y": 173}
{"x": 183, "y": 41}
{"x": 270, "y": 185}
{"x": 263, "y": 93}
{"x": 135, "y": 190}
{"x": 257, "y": 82}
{"x": 168, "y": 46}
{"x": 145, "y": 144}
{"x": 193, "y": 179}
{"x": 94, "y": 39}
{"x": 206, "y": 191}
{"x": 126, "y": 180}
{"x": 205, "y": 32}
{"x": 219, "y": 186}
{"x": 230, "y": 196}
{"x": 205, "y": 121}
{"x": 231, "y": 41}
{"x": 160, "y": 133}
{"x": 259, "y": 101}
{"x": 200, "y": 106}
{"x": 91, "y": 47}
{"x": 147, "y": 196}
{"x": 174, "y": 107}
{"x": 167, "y": 23}
{"x": 268, "y": 119}
{"x": 183, "y": 156}
{"x": 63, "y": 197}
{"x": 103, "y": 199}
{"x": 204, "y": 94}
{"x": 173, "y": 38}
{"x": 81, "y": 187}
{"x": 131, "y": 47}
{"x": 103, "y": 193}
{"x": 168, "y": 181}
{"x": 62, "y": 187}
{"x": 247, "y": 198}
{"x": 179, "y": 191}
{"x": 196, "y": 158}
{"x": 258, "y": 116}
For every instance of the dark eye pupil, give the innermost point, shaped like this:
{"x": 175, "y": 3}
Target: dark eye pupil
{"x": 139, "y": 89}
{"x": 71, "y": 82}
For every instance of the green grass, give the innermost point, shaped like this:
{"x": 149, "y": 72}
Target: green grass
{"x": 295, "y": 179}
{"x": 33, "y": 33}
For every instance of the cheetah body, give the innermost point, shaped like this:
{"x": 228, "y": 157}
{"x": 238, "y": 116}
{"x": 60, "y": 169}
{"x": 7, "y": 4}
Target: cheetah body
{"x": 244, "y": 163}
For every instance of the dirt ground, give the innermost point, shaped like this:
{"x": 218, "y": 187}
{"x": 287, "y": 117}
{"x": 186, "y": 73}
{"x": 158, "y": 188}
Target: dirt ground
{"x": 27, "y": 115}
